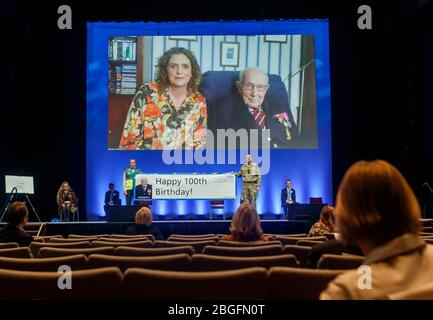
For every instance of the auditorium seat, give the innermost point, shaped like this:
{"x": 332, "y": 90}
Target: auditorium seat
{"x": 274, "y": 235}
{"x": 125, "y": 236}
{"x": 209, "y": 235}
{"x": 298, "y": 283}
{"x": 76, "y": 262}
{"x": 129, "y": 239}
{"x": 175, "y": 262}
{"x": 243, "y": 284}
{"x": 301, "y": 253}
{"x": 244, "y": 251}
{"x": 137, "y": 244}
{"x": 427, "y": 229}
{"x": 308, "y": 243}
{"x": 224, "y": 243}
{"x": 79, "y": 236}
{"x": 47, "y": 238}
{"x": 35, "y": 246}
{"x": 293, "y": 240}
{"x": 189, "y": 239}
{"x": 93, "y": 284}
{"x": 48, "y": 252}
{"x": 204, "y": 262}
{"x": 197, "y": 245}
{"x": 128, "y": 251}
{"x": 61, "y": 240}
{"x": 339, "y": 262}
{"x": 8, "y": 245}
{"x": 23, "y": 252}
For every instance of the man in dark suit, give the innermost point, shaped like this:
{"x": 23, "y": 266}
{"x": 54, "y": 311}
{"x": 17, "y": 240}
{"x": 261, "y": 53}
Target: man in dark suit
{"x": 248, "y": 105}
{"x": 288, "y": 197}
{"x": 112, "y": 198}
{"x": 143, "y": 190}
{"x": 17, "y": 217}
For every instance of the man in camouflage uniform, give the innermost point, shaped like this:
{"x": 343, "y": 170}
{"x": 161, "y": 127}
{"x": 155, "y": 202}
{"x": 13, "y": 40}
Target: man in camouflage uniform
{"x": 251, "y": 178}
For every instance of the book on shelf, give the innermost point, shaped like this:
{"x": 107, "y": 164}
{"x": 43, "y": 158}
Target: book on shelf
{"x": 122, "y": 79}
{"x": 122, "y": 48}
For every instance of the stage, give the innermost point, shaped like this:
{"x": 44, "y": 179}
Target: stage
{"x": 172, "y": 227}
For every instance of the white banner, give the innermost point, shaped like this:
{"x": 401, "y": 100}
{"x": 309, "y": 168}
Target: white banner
{"x": 190, "y": 186}
{"x": 23, "y": 184}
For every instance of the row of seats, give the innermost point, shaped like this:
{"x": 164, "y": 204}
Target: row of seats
{"x": 235, "y": 257}
{"x": 175, "y": 262}
{"x": 135, "y": 283}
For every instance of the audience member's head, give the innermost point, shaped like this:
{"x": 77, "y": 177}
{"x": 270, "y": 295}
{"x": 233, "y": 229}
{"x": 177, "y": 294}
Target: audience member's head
{"x": 17, "y": 214}
{"x": 246, "y": 224}
{"x": 375, "y": 205}
{"x": 143, "y": 216}
{"x": 326, "y": 216}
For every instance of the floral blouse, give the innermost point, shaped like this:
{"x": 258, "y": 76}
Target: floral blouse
{"x": 153, "y": 123}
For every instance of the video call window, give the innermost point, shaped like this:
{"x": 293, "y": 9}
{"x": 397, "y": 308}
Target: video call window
{"x": 239, "y": 82}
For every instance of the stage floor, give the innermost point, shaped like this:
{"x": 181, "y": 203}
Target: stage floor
{"x": 172, "y": 227}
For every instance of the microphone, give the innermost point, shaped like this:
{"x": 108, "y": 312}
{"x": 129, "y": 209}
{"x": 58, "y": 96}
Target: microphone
{"x": 425, "y": 184}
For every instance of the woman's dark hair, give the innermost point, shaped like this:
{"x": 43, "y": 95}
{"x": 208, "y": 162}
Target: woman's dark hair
{"x": 16, "y": 213}
{"x": 246, "y": 224}
{"x": 161, "y": 77}
{"x": 326, "y": 216}
{"x": 375, "y": 203}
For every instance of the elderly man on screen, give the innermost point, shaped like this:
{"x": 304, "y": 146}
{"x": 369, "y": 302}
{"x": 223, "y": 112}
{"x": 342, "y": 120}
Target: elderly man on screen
{"x": 254, "y": 104}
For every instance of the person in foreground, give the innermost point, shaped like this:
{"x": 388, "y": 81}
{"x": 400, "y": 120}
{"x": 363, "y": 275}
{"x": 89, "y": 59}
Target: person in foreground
{"x": 143, "y": 224}
{"x": 377, "y": 210}
{"x": 17, "y": 217}
{"x": 325, "y": 224}
{"x": 245, "y": 225}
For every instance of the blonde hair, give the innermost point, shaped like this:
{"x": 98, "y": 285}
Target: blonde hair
{"x": 245, "y": 224}
{"x": 143, "y": 216}
{"x": 375, "y": 203}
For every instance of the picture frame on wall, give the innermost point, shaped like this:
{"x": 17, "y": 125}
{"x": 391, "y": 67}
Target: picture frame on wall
{"x": 183, "y": 38}
{"x": 229, "y": 54}
{"x": 280, "y": 38}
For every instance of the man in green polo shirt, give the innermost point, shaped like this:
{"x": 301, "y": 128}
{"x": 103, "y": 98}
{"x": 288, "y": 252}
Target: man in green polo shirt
{"x": 129, "y": 181}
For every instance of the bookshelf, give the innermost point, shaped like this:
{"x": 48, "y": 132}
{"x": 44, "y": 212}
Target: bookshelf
{"x": 125, "y": 75}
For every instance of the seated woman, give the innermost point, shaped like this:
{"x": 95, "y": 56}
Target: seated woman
{"x": 67, "y": 201}
{"x": 143, "y": 224}
{"x": 245, "y": 225}
{"x": 325, "y": 223}
{"x": 169, "y": 113}
{"x": 378, "y": 211}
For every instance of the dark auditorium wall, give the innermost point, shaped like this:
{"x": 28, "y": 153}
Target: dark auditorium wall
{"x": 381, "y": 83}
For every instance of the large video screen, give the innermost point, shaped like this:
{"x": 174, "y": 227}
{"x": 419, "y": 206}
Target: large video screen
{"x": 188, "y": 98}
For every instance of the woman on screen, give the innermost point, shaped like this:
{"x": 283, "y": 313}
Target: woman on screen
{"x": 169, "y": 113}
{"x": 67, "y": 201}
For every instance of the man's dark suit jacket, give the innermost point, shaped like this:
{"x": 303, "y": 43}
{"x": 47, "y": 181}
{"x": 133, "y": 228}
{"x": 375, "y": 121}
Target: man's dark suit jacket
{"x": 116, "y": 197}
{"x": 144, "y": 194}
{"x": 11, "y": 233}
{"x": 284, "y": 196}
